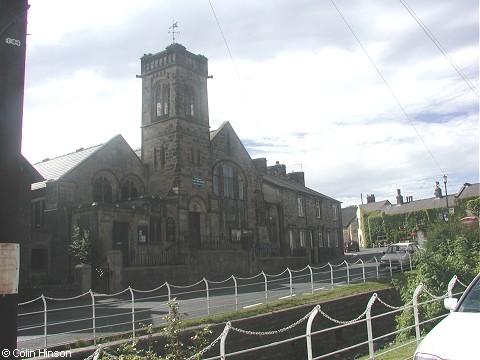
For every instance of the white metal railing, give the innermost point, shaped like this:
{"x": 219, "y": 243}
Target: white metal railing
{"x": 46, "y": 321}
{"x": 365, "y": 317}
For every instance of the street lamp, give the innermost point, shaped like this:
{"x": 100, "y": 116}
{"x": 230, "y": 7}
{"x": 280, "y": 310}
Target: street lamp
{"x": 446, "y": 194}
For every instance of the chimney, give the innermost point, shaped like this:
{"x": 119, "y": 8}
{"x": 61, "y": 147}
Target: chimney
{"x": 438, "y": 190}
{"x": 278, "y": 170}
{"x": 370, "y": 198}
{"x": 399, "y": 197}
{"x": 297, "y": 177}
{"x": 260, "y": 164}
{"x": 409, "y": 199}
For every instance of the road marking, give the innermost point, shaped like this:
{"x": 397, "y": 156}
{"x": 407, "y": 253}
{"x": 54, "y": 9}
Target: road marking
{"x": 286, "y": 297}
{"x": 249, "y": 306}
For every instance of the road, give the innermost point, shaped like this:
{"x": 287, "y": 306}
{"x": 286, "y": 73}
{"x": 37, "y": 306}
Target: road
{"x": 88, "y": 317}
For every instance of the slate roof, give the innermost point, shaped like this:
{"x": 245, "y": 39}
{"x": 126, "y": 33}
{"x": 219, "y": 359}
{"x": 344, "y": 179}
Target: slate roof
{"x": 378, "y": 205}
{"x": 423, "y": 204}
{"x": 290, "y": 185}
{"x": 348, "y": 214}
{"x": 54, "y": 169}
{"x": 466, "y": 191}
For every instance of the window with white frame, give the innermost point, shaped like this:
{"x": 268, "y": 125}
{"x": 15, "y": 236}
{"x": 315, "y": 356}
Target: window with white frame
{"x": 290, "y": 238}
{"x": 318, "y": 209}
{"x": 300, "y": 206}
{"x": 329, "y": 244}
{"x": 302, "y": 239}
{"x": 320, "y": 238}
{"x": 335, "y": 212}
{"x": 335, "y": 237}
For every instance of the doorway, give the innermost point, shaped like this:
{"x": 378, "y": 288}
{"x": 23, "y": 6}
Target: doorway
{"x": 120, "y": 240}
{"x": 194, "y": 228}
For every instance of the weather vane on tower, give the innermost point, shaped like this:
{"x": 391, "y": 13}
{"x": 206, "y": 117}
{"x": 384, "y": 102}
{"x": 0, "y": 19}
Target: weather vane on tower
{"x": 173, "y": 32}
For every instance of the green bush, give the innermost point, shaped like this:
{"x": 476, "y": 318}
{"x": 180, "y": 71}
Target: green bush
{"x": 452, "y": 249}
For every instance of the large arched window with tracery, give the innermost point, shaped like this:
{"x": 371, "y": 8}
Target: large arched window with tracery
{"x": 102, "y": 190}
{"x": 129, "y": 190}
{"x": 228, "y": 184}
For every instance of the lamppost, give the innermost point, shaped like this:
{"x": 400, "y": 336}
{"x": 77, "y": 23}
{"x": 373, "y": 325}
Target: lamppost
{"x": 446, "y": 194}
{"x": 446, "y": 198}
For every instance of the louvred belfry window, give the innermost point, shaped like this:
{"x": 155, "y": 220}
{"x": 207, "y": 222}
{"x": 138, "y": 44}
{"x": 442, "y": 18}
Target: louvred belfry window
{"x": 162, "y": 98}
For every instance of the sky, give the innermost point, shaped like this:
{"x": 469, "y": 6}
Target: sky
{"x": 353, "y": 93}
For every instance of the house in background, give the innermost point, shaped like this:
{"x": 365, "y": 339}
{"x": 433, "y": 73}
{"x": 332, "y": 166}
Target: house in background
{"x": 438, "y": 202}
{"x": 350, "y": 223}
{"x": 191, "y": 203}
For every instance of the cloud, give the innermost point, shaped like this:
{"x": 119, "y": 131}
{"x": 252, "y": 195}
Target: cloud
{"x": 294, "y": 83}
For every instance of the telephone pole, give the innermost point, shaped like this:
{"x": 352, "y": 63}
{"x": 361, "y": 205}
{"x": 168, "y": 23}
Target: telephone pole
{"x": 13, "y": 26}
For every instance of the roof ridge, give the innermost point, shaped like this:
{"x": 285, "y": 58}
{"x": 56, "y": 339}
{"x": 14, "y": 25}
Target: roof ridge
{"x": 79, "y": 150}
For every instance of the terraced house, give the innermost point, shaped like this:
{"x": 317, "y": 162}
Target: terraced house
{"x": 190, "y": 203}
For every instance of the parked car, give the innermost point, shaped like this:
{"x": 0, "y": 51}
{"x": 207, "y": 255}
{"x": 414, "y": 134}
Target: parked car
{"x": 399, "y": 255}
{"x": 352, "y": 246}
{"x": 456, "y": 336}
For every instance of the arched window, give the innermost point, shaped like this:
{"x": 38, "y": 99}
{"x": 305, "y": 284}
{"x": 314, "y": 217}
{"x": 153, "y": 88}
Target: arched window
{"x": 228, "y": 184}
{"x": 102, "y": 190}
{"x": 162, "y": 98}
{"x": 129, "y": 190}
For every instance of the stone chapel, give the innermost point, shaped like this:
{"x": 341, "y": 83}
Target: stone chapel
{"x": 191, "y": 203}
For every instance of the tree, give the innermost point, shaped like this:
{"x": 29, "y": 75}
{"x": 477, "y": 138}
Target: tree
{"x": 84, "y": 247}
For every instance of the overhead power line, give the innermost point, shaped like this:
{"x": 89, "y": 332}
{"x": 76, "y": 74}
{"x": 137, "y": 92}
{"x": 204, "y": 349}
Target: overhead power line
{"x": 388, "y": 86}
{"x": 238, "y": 74}
{"x": 439, "y": 46}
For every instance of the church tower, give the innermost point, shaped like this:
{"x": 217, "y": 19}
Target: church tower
{"x": 175, "y": 123}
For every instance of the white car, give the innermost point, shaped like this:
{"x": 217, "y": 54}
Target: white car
{"x": 399, "y": 255}
{"x": 455, "y": 337}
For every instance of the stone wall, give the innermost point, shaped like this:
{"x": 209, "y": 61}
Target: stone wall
{"x": 147, "y": 278}
{"x": 344, "y": 309}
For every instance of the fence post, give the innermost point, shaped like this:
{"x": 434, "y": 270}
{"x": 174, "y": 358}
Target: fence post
{"x": 133, "y": 312}
{"x": 390, "y": 263}
{"x": 410, "y": 260}
{"x": 309, "y": 331}
{"x": 236, "y": 293}
{"x": 169, "y": 298}
{"x": 266, "y": 286}
{"x": 44, "y": 320}
{"x": 290, "y": 281}
{"x": 415, "y": 312}
{"x": 331, "y": 274}
{"x": 311, "y": 276}
{"x": 368, "y": 317}
{"x": 348, "y": 272}
{"x": 228, "y": 325}
{"x": 94, "y": 321}
{"x": 363, "y": 269}
{"x": 377, "y": 265}
{"x": 208, "y": 295}
{"x": 401, "y": 265}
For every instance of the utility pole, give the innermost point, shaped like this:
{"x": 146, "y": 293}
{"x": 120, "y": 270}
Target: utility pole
{"x": 13, "y": 26}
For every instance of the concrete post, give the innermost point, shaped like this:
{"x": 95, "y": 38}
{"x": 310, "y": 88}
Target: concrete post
{"x": 83, "y": 277}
